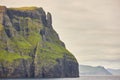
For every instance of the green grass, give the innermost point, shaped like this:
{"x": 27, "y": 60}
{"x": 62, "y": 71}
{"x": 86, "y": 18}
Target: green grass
{"x": 58, "y": 49}
{"x": 10, "y": 57}
{"x": 34, "y": 35}
{"x": 22, "y": 44}
{"x": 1, "y": 27}
{"x": 24, "y": 8}
{"x": 51, "y": 52}
{"x": 34, "y": 38}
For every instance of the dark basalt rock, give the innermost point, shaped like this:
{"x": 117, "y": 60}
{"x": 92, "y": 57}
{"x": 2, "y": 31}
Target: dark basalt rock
{"x": 31, "y": 48}
{"x": 49, "y": 20}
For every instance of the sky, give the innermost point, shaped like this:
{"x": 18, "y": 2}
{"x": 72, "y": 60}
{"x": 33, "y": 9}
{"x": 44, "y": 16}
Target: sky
{"x": 90, "y": 29}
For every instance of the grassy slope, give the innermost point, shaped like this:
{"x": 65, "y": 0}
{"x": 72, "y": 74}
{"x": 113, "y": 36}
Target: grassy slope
{"x": 9, "y": 57}
{"x": 47, "y": 52}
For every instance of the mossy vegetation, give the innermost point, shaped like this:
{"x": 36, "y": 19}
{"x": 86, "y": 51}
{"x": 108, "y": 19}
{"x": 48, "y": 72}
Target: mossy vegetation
{"x": 10, "y": 57}
{"x": 50, "y": 52}
{"x": 34, "y": 38}
{"x": 21, "y": 43}
{"x": 1, "y": 27}
{"x": 24, "y": 8}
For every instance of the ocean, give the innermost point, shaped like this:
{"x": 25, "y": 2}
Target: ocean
{"x": 80, "y": 78}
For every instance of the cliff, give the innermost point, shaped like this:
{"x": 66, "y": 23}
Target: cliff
{"x": 90, "y": 70}
{"x": 30, "y": 47}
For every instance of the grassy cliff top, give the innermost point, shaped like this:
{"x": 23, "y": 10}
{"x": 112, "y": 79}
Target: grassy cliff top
{"x": 2, "y": 9}
{"x": 25, "y": 8}
{"x": 2, "y": 6}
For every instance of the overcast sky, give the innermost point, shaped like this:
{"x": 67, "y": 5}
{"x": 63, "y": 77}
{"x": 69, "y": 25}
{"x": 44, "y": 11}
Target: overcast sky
{"x": 89, "y": 28}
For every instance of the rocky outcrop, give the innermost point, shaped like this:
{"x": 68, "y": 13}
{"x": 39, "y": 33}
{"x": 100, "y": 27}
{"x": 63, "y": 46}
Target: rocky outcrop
{"x": 2, "y": 12}
{"x": 30, "y": 47}
{"x": 49, "y": 20}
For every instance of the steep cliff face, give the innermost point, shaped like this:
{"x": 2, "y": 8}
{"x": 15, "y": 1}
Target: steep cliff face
{"x": 30, "y": 47}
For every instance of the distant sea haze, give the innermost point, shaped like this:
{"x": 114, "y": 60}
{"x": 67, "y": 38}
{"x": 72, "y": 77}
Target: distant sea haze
{"x": 97, "y": 70}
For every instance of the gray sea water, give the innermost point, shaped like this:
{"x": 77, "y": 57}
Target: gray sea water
{"x": 80, "y": 78}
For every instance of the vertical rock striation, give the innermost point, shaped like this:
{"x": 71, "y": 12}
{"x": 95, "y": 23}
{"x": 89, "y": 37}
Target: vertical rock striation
{"x": 30, "y": 47}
